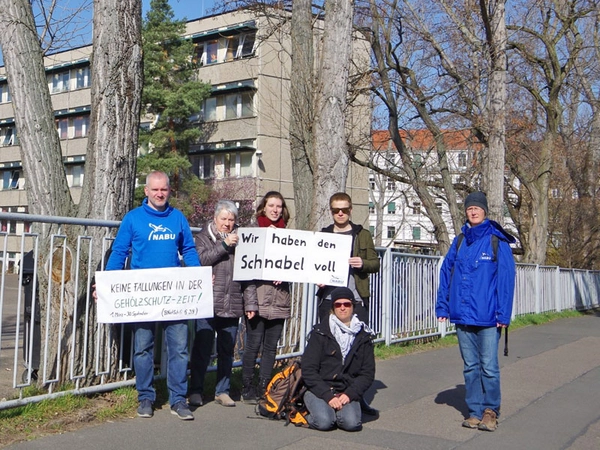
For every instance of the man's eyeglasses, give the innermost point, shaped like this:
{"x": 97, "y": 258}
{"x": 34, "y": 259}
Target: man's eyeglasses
{"x": 337, "y": 210}
{"x": 344, "y": 304}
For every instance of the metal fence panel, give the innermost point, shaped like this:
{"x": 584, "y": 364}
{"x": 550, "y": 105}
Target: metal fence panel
{"x": 402, "y": 308}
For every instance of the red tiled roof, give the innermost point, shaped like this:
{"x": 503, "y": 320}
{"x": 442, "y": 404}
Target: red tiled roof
{"x": 423, "y": 140}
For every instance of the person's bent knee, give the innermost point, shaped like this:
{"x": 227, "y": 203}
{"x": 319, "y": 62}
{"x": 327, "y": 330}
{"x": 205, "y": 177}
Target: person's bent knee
{"x": 320, "y": 422}
{"x": 349, "y": 426}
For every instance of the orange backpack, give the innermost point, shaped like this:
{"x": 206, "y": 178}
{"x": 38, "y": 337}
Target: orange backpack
{"x": 284, "y": 397}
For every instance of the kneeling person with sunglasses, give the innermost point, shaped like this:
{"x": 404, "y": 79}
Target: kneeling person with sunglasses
{"x": 338, "y": 366}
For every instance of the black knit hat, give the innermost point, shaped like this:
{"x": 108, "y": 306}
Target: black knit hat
{"x": 477, "y": 199}
{"x": 342, "y": 292}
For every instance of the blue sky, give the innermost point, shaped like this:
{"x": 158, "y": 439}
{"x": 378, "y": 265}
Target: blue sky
{"x": 188, "y": 9}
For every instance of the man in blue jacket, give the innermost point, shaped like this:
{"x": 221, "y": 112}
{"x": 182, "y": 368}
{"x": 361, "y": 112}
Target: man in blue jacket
{"x": 155, "y": 234}
{"x": 476, "y": 291}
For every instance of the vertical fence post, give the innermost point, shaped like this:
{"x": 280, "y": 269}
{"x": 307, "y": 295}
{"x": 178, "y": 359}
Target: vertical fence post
{"x": 557, "y": 298}
{"x": 386, "y": 296}
{"x": 537, "y": 288}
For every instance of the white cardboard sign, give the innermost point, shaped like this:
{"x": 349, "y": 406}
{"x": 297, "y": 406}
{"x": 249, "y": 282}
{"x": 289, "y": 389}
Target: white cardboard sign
{"x": 148, "y": 295}
{"x": 281, "y": 254}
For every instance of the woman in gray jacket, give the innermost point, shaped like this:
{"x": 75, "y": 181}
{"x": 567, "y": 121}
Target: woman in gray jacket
{"x": 216, "y": 246}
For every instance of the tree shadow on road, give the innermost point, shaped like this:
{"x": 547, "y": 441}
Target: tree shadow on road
{"x": 454, "y": 397}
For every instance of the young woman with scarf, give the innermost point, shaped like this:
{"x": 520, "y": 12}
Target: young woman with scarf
{"x": 265, "y": 321}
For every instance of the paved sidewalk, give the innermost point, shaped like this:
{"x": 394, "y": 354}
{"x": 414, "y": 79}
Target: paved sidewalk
{"x": 551, "y": 400}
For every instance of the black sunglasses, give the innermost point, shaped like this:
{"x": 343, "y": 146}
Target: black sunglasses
{"x": 337, "y": 210}
{"x": 344, "y": 304}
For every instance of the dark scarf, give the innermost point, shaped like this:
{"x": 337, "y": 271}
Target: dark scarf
{"x": 264, "y": 221}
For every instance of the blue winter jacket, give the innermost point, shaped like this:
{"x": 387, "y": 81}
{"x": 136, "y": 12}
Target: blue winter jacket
{"x": 154, "y": 238}
{"x": 479, "y": 291}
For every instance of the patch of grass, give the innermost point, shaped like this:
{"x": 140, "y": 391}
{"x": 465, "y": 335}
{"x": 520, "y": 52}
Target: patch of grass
{"x": 539, "y": 319}
{"x": 431, "y": 343}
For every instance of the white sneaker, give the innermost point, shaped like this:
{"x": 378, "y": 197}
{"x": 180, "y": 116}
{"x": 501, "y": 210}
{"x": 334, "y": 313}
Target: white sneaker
{"x": 224, "y": 399}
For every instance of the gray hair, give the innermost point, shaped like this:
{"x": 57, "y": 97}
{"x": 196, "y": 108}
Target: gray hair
{"x": 158, "y": 174}
{"x": 226, "y": 205}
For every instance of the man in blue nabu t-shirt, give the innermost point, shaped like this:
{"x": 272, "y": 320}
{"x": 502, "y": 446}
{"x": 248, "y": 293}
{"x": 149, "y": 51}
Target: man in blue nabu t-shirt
{"x": 155, "y": 234}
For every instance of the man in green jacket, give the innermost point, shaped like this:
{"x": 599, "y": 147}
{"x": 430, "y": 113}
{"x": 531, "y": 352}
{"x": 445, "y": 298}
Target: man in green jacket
{"x": 363, "y": 260}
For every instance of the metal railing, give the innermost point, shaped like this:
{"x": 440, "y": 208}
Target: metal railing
{"x": 402, "y": 308}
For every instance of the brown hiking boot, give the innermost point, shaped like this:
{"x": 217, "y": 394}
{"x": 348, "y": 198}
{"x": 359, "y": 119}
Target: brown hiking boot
{"x": 489, "y": 422}
{"x": 471, "y": 422}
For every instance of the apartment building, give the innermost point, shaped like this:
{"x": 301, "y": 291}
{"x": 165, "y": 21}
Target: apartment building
{"x": 246, "y": 59}
{"x": 396, "y": 215}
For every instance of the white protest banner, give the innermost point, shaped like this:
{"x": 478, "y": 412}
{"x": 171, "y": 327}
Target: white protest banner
{"x": 292, "y": 255}
{"x": 148, "y": 295}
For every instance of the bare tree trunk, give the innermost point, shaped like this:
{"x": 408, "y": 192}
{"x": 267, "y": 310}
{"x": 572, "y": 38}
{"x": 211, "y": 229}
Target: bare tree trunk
{"x": 493, "y": 14}
{"x": 47, "y": 188}
{"x": 302, "y": 112}
{"x": 116, "y": 87}
{"x": 538, "y": 233}
{"x": 117, "y": 80}
{"x": 331, "y": 169}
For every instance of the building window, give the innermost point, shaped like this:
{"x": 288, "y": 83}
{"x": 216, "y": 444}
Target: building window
{"x": 372, "y": 184}
{"x": 83, "y": 78}
{"x": 228, "y": 106}
{"x": 556, "y": 193}
{"x": 62, "y": 125}
{"x": 73, "y": 127}
{"x": 462, "y": 159}
{"x": 372, "y": 230}
{"x": 438, "y": 206}
{"x": 59, "y": 82}
{"x": 416, "y": 208}
{"x": 81, "y": 125}
{"x": 8, "y": 136}
{"x": 226, "y": 48}
{"x": 211, "y": 52}
{"x": 9, "y": 226}
{"x": 417, "y": 160}
{"x": 10, "y": 179}
{"x": 391, "y": 208}
{"x": 209, "y": 111}
{"x": 390, "y": 183}
{"x": 4, "y": 93}
{"x": 391, "y": 232}
{"x": 371, "y": 208}
{"x": 223, "y": 165}
{"x": 75, "y": 175}
{"x": 416, "y": 232}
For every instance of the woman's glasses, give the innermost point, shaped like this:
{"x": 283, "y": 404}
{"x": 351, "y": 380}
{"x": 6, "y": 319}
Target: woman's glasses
{"x": 337, "y": 210}
{"x": 344, "y": 304}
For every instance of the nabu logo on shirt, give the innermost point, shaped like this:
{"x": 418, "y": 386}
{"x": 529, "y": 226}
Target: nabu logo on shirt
{"x": 160, "y": 233}
{"x": 486, "y": 257}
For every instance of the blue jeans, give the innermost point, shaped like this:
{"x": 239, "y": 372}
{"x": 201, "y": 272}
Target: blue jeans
{"x": 323, "y": 417}
{"x": 176, "y": 338}
{"x": 226, "y": 329}
{"x": 260, "y": 331}
{"x": 479, "y": 351}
